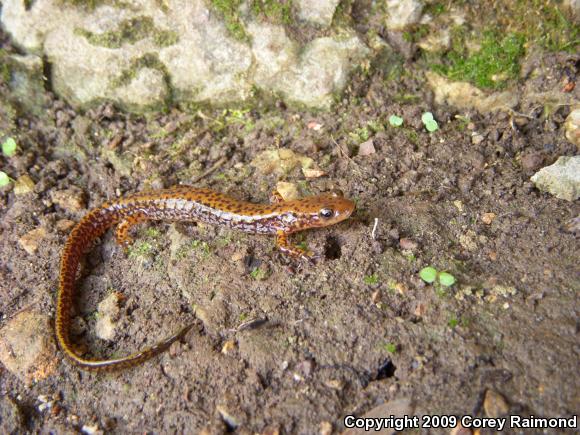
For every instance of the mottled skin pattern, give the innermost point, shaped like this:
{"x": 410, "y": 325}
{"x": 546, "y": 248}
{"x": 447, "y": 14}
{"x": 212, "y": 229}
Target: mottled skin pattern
{"x": 184, "y": 203}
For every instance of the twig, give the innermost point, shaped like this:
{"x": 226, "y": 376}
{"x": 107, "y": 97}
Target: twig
{"x": 374, "y": 231}
{"x": 215, "y": 166}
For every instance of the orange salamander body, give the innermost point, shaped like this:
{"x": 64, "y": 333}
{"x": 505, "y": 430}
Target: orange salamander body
{"x": 184, "y": 203}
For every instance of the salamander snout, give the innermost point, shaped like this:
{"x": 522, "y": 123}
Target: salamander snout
{"x": 331, "y": 209}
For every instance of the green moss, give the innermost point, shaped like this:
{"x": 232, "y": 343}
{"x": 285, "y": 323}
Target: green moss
{"x": 279, "y": 12}
{"x": 492, "y": 66}
{"x": 229, "y": 11}
{"x": 130, "y": 31}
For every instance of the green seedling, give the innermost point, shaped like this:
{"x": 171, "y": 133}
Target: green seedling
{"x": 430, "y": 123}
{"x": 431, "y": 275}
{"x": 4, "y": 179}
{"x": 390, "y": 347}
{"x": 371, "y": 279}
{"x": 9, "y": 147}
{"x": 395, "y": 121}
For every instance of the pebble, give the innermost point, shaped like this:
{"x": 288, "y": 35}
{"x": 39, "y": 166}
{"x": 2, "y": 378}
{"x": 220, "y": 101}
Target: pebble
{"x": 27, "y": 347}
{"x": 572, "y": 127}
{"x": 11, "y": 417}
{"x": 494, "y": 404}
{"x": 228, "y": 347}
{"x": 532, "y": 161}
{"x": 366, "y": 148}
{"x": 31, "y": 240}
{"x": 562, "y": 179}
{"x": 476, "y": 139}
{"x": 488, "y": 218}
{"x": 408, "y": 244}
{"x": 108, "y": 313}
{"x": 71, "y": 200}
{"x": 325, "y": 428}
{"x": 288, "y": 191}
{"x": 64, "y": 225}
{"x": 23, "y": 185}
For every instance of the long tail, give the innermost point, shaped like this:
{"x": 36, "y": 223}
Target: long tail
{"x": 92, "y": 226}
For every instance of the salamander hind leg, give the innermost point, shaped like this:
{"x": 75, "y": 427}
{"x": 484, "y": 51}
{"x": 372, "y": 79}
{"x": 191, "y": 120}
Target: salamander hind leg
{"x": 122, "y": 231}
{"x": 295, "y": 251}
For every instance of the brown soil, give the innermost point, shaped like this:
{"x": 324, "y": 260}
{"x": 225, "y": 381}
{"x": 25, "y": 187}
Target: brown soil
{"x": 356, "y": 330}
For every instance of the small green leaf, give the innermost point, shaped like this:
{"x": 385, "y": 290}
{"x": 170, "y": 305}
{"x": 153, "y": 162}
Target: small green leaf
{"x": 426, "y": 117}
{"x": 428, "y": 274}
{"x": 371, "y": 279}
{"x": 9, "y": 147}
{"x": 4, "y": 179}
{"x": 453, "y": 322}
{"x": 431, "y": 126}
{"x": 395, "y": 121}
{"x": 446, "y": 279}
{"x": 390, "y": 347}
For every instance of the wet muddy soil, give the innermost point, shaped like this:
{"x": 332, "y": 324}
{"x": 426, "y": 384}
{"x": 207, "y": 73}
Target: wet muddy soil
{"x": 286, "y": 346}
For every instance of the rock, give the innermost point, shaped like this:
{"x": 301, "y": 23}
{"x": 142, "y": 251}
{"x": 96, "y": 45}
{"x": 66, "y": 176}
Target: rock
{"x": 288, "y": 191}
{"x": 71, "y": 200}
{"x": 280, "y": 161}
{"x": 137, "y": 55}
{"x": 23, "y": 185}
{"x": 108, "y": 313}
{"x": 408, "y": 244}
{"x": 532, "y": 161}
{"x": 494, "y": 404}
{"x": 317, "y": 11}
{"x": 64, "y": 225}
{"x": 31, "y": 240}
{"x": 562, "y": 179}
{"x": 403, "y": 13}
{"x": 11, "y": 417}
{"x": 27, "y": 82}
{"x": 487, "y": 218}
{"x": 477, "y": 138}
{"x": 325, "y": 428}
{"x": 321, "y": 71}
{"x": 397, "y": 408}
{"x": 436, "y": 41}
{"x": 229, "y": 347}
{"x": 464, "y": 95}
{"x": 27, "y": 347}
{"x": 572, "y": 127}
{"x": 366, "y": 148}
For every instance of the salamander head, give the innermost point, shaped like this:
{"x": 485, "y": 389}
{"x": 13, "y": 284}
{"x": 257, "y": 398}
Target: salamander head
{"x": 319, "y": 211}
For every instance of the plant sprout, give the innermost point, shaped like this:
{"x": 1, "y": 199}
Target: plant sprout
{"x": 9, "y": 147}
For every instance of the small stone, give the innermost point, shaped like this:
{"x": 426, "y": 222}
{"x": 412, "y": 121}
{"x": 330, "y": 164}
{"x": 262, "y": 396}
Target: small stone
{"x": 64, "y": 225}
{"x": 316, "y": 126}
{"x": 288, "y": 191}
{"x": 23, "y": 185}
{"x": 476, "y": 139}
{"x": 562, "y": 179}
{"x": 325, "y": 428}
{"x": 366, "y": 148}
{"x": 313, "y": 173}
{"x": 91, "y": 429}
{"x": 280, "y": 161}
{"x": 72, "y": 200}
{"x": 494, "y": 404}
{"x": 408, "y": 244}
{"x": 27, "y": 347}
{"x": 306, "y": 367}
{"x": 376, "y": 297}
{"x": 231, "y": 420}
{"x": 403, "y": 13}
{"x": 31, "y": 240}
{"x": 420, "y": 309}
{"x": 11, "y": 417}
{"x": 492, "y": 256}
{"x": 108, "y": 312}
{"x": 335, "y": 384}
{"x": 271, "y": 430}
{"x": 572, "y": 127}
{"x": 229, "y": 347}
{"x": 317, "y": 11}
{"x": 468, "y": 240}
{"x": 487, "y": 218}
{"x": 532, "y": 161}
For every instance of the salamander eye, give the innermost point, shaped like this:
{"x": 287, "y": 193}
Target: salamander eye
{"x": 326, "y": 213}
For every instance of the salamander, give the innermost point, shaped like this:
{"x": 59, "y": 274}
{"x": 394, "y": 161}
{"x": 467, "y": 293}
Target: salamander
{"x": 184, "y": 203}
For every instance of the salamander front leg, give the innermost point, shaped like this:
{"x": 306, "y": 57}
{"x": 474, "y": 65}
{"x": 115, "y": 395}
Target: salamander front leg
{"x": 295, "y": 251}
{"x": 275, "y": 197}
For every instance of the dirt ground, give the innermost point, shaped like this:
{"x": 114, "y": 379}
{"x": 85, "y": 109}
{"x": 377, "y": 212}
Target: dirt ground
{"x": 355, "y": 331}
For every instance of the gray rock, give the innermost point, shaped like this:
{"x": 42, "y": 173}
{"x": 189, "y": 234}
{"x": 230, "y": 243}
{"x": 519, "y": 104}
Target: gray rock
{"x": 317, "y": 11}
{"x": 27, "y": 82}
{"x": 403, "y": 13}
{"x": 11, "y": 417}
{"x": 143, "y": 55}
{"x": 572, "y": 127}
{"x": 562, "y": 179}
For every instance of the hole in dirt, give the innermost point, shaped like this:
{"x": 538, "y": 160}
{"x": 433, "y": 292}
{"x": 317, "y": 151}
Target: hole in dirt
{"x": 332, "y": 250}
{"x": 386, "y": 370}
